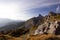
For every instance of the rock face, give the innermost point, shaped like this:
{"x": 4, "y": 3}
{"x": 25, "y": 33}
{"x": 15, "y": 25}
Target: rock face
{"x": 49, "y": 27}
{"x": 35, "y": 21}
{"x": 58, "y": 29}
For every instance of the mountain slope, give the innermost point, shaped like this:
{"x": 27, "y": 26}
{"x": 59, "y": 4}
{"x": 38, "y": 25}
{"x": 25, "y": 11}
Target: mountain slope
{"x": 41, "y": 24}
{"x": 39, "y": 28}
{"x": 28, "y": 27}
{"x": 9, "y": 25}
{"x": 51, "y": 24}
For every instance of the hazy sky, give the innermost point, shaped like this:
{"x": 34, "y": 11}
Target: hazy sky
{"x": 25, "y": 9}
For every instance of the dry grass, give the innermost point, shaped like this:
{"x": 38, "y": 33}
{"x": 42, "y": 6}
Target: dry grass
{"x": 7, "y": 37}
{"x": 32, "y": 37}
{"x": 44, "y": 37}
{"x": 52, "y": 18}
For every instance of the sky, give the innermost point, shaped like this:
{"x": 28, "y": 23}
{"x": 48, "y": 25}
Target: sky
{"x": 26, "y": 9}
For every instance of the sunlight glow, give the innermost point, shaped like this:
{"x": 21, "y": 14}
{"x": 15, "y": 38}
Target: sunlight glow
{"x": 10, "y": 11}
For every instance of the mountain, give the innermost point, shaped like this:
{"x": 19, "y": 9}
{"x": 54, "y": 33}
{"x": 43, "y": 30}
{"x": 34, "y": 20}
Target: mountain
{"x": 4, "y": 21}
{"x": 37, "y": 28}
{"x": 51, "y": 24}
{"x": 29, "y": 26}
{"x": 39, "y": 25}
{"x": 9, "y": 25}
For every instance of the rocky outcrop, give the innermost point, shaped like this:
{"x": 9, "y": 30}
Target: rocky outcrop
{"x": 34, "y": 22}
{"x": 49, "y": 27}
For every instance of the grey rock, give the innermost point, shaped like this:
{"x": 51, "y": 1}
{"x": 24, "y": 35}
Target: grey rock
{"x": 48, "y": 27}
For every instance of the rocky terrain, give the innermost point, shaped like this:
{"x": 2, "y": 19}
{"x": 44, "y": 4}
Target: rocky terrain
{"x": 37, "y": 28}
{"x": 51, "y": 25}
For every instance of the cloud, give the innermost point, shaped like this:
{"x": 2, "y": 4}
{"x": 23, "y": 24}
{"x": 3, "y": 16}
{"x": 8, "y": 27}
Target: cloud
{"x": 24, "y": 5}
{"x": 57, "y": 9}
{"x": 8, "y": 11}
{"x": 29, "y": 4}
{"x": 12, "y": 11}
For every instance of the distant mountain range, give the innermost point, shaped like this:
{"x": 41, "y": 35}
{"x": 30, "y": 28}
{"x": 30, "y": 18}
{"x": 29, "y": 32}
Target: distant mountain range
{"x": 7, "y": 24}
{"x": 4, "y": 21}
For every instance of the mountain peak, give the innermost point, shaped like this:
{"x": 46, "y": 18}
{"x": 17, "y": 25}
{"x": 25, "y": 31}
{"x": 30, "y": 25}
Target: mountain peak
{"x": 40, "y": 15}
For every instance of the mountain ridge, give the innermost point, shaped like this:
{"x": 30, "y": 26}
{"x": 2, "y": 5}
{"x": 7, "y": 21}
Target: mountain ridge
{"x": 45, "y": 26}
